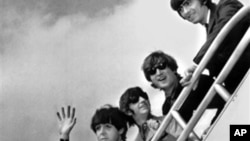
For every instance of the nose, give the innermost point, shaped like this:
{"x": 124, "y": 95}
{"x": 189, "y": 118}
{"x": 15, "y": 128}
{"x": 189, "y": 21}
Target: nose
{"x": 101, "y": 131}
{"x": 143, "y": 101}
{"x": 185, "y": 12}
{"x": 158, "y": 71}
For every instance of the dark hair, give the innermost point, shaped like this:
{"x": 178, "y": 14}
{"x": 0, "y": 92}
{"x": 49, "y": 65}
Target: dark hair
{"x": 131, "y": 95}
{"x": 175, "y": 4}
{"x": 111, "y": 115}
{"x": 156, "y": 58}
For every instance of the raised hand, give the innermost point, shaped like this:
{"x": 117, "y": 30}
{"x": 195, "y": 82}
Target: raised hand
{"x": 66, "y": 122}
{"x": 153, "y": 124}
{"x": 188, "y": 75}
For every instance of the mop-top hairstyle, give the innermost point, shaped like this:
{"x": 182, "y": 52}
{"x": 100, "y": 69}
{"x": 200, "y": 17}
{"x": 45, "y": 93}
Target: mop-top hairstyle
{"x": 175, "y": 4}
{"x": 110, "y": 115}
{"x": 130, "y": 96}
{"x": 155, "y": 58}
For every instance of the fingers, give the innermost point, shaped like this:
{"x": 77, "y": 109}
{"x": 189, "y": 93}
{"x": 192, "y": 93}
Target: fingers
{"x": 63, "y": 113}
{"x": 58, "y": 115}
{"x": 189, "y": 71}
{"x": 182, "y": 81}
{"x": 69, "y": 113}
{"x": 186, "y": 80}
{"x": 73, "y": 113}
{"x": 74, "y": 121}
{"x": 185, "y": 84}
{"x": 154, "y": 124}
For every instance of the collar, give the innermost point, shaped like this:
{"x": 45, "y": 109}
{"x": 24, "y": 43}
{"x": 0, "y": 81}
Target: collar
{"x": 175, "y": 93}
{"x": 208, "y": 17}
{"x": 139, "y": 122}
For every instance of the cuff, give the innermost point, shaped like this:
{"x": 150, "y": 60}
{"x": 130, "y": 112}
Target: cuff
{"x": 64, "y": 139}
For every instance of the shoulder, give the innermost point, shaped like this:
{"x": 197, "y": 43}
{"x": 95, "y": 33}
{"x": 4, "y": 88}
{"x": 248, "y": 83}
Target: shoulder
{"x": 138, "y": 137}
{"x": 229, "y": 4}
{"x": 159, "y": 118}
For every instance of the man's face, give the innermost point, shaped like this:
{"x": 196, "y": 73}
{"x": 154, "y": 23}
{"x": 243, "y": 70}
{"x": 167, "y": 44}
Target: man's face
{"x": 141, "y": 107}
{"x": 193, "y": 11}
{"x": 107, "y": 132}
{"x": 163, "y": 77}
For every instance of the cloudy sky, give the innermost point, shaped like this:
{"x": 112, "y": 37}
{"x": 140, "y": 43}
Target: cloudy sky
{"x": 80, "y": 52}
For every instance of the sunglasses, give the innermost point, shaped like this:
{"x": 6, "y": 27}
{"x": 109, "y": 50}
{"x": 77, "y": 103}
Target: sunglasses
{"x": 160, "y": 66}
{"x": 135, "y": 98}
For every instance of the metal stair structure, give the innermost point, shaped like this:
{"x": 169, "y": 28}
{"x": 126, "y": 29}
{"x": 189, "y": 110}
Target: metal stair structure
{"x": 216, "y": 88}
{"x": 237, "y": 112}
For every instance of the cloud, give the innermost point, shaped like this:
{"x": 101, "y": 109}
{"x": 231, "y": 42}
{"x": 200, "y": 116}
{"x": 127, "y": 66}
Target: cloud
{"x": 59, "y": 8}
{"x": 84, "y": 53}
{"x": 48, "y": 60}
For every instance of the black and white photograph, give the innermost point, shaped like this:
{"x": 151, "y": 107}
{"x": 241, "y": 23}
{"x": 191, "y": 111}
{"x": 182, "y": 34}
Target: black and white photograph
{"x": 124, "y": 70}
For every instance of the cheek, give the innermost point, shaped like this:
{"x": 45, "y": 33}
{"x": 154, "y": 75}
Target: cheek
{"x": 153, "y": 79}
{"x": 113, "y": 135}
{"x": 98, "y": 133}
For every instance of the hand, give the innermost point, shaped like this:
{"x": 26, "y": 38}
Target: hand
{"x": 153, "y": 124}
{"x": 187, "y": 76}
{"x": 66, "y": 122}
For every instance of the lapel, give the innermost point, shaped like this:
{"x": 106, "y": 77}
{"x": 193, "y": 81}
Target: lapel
{"x": 211, "y": 19}
{"x": 150, "y": 134}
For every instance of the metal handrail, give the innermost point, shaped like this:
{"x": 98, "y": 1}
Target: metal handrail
{"x": 185, "y": 92}
{"x": 222, "y": 76}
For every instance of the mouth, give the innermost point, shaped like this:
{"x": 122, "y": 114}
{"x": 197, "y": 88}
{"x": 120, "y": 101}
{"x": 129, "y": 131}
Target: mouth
{"x": 103, "y": 139}
{"x": 190, "y": 16}
{"x": 162, "y": 78}
{"x": 191, "y": 19}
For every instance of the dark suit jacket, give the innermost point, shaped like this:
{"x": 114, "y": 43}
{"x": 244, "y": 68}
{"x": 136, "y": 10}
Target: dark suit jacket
{"x": 194, "y": 99}
{"x": 220, "y": 15}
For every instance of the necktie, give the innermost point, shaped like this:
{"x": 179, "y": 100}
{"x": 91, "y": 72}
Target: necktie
{"x": 144, "y": 130}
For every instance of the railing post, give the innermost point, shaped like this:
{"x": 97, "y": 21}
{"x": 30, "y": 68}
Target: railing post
{"x": 184, "y": 94}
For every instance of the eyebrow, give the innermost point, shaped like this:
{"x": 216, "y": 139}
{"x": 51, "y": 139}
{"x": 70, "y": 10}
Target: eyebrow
{"x": 183, "y": 3}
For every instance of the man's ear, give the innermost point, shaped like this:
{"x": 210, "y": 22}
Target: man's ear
{"x": 130, "y": 113}
{"x": 121, "y": 131}
{"x": 204, "y": 2}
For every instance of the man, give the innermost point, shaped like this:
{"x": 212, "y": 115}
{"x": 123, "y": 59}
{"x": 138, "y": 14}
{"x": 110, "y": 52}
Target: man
{"x": 135, "y": 103}
{"x": 108, "y": 123}
{"x": 213, "y": 17}
{"x": 161, "y": 70}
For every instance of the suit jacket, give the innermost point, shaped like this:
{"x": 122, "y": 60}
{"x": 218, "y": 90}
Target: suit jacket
{"x": 194, "y": 99}
{"x": 220, "y": 15}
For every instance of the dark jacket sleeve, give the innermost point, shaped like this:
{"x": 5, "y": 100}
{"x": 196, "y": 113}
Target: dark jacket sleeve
{"x": 64, "y": 140}
{"x": 223, "y": 13}
{"x": 195, "y": 97}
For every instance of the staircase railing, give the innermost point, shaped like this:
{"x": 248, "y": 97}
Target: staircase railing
{"x": 216, "y": 87}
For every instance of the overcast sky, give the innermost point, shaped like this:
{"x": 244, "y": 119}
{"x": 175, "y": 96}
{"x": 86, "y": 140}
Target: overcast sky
{"x": 81, "y": 52}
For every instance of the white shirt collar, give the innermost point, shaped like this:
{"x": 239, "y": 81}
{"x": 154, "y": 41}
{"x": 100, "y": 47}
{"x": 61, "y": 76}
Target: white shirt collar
{"x": 208, "y": 16}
